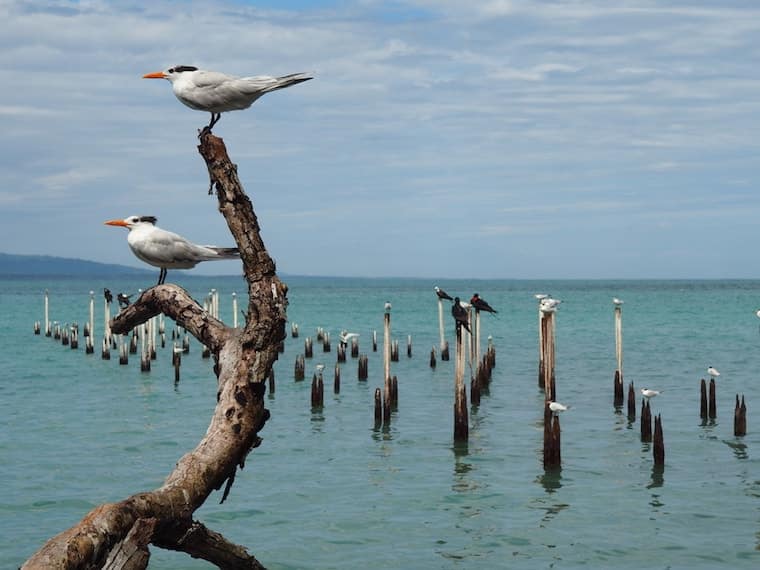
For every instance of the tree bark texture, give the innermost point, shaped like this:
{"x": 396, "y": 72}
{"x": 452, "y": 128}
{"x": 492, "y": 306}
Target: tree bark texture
{"x": 116, "y": 535}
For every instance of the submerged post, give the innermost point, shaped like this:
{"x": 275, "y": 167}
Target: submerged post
{"x": 712, "y": 408}
{"x": 659, "y": 444}
{"x": 703, "y": 399}
{"x": 646, "y": 421}
{"x": 631, "y": 402}
{"x": 740, "y": 417}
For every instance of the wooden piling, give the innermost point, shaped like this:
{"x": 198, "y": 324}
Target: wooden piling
{"x": 144, "y": 350}
{"x": 441, "y": 333}
{"x": 548, "y": 353}
{"x": 317, "y": 391}
{"x": 300, "y": 368}
{"x": 294, "y": 330}
{"x": 363, "y": 366}
{"x": 133, "y": 342}
{"x": 552, "y": 439}
{"x": 336, "y": 383}
{"x": 445, "y": 351}
{"x": 712, "y": 408}
{"x": 341, "y": 352}
{"x": 354, "y": 347}
{"x": 378, "y": 408}
{"x": 64, "y": 336}
{"x": 308, "y": 348}
{"x": 374, "y": 341}
{"x": 123, "y": 352}
{"x": 659, "y": 445}
{"x": 89, "y": 345}
{"x": 234, "y": 310}
{"x": 475, "y": 384}
{"x": 394, "y": 351}
{"x": 36, "y": 327}
{"x": 646, "y": 421}
{"x": 461, "y": 416}
{"x": 618, "y": 382}
{"x": 326, "y": 345}
{"x": 703, "y": 399}
{"x": 387, "y": 364}
{"x": 409, "y": 346}
{"x": 432, "y": 357}
{"x": 47, "y": 313}
{"x": 740, "y": 417}
{"x": 105, "y": 352}
{"x": 631, "y": 402}
{"x": 394, "y": 393}
{"x": 176, "y": 361}
{"x": 74, "y": 343}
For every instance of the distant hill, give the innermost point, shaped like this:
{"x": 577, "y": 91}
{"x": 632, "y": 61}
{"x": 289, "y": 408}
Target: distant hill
{"x": 48, "y": 265}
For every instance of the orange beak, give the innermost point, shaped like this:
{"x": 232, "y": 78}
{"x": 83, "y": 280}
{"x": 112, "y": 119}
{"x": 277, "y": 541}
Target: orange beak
{"x": 156, "y": 75}
{"x": 121, "y": 223}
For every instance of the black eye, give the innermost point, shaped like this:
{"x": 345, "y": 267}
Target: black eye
{"x": 171, "y": 70}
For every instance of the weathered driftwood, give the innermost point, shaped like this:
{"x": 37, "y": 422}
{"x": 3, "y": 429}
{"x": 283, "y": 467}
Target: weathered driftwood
{"x": 117, "y": 534}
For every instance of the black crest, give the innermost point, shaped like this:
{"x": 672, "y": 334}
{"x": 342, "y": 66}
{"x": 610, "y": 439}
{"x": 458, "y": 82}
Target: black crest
{"x": 181, "y": 68}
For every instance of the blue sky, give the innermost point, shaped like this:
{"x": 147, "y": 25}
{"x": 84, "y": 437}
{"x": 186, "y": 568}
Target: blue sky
{"x": 525, "y": 139}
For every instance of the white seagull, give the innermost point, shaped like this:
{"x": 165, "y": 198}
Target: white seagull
{"x": 557, "y": 408}
{"x": 647, "y": 393}
{"x": 549, "y": 305}
{"x": 617, "y": 301}
{"x": 712, "y": 372}
{"x": 541, "y": 296}
{"x": 218, "y": 93}
{"x": 167, "y": 250}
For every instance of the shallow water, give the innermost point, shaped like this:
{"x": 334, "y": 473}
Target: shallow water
{"x": 328, "y": 490}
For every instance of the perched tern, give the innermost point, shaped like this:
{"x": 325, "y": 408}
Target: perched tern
{"x": 481, "y": 304}
{"x": 712, "y": 372}
{"x": 319, "y": 368}
{"x": 460, "y": 315}
{"x": 647, "y": 393}
{"x": 217, "y": 93}
{"x": 167, "y": 250}
{"x": 443, "y": 294}
{"x": 617, "y": 301}
{"x": 549, "y": 305}
{"x": 557, "y": 408}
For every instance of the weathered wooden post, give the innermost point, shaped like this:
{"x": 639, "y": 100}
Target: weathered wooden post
{"x": 308, "y": 349}
{"x": 552, "y": 439}
{"x": 294, "y": 330}
{"x": 336, "y": 383}
{"x": 443, "y": 345}
{"x": 317, "y": 391}
{"x": 394, "y": 351}
{"x": 176, "y": 361}
{"x": 272, "y": 386}
{"x": 646, "y": 421}
{"x": 659, "y": 444}
{"x": 712, "y": 408}
{"x": 363, "y": 367}
{"x": 74, "y": 343}
{"x": 618, "y": 382}
{"x": 47, "y": 313}
{"x": 300, "y": 368}
{"x": 123, "y": 352}
{"x": 540, "y": 297}
{"x": 235, "y": 310}
{"x": 105, "y": 352}
{"x": 144, "y": 350}
{"x": 461, "y": 416}
{"x": 409, "y": 346}
{"x": 91, "y": 320}
{"x": 374, "y": 341}
{"x": 378, "y": 408}
{"x": 387, "y": 364}
{"x": 341, "y": 352}
{"x": 37, "y": 327}
{"x": 548, "y": 352}
{"x": 354, "y": 347}
{"x": 740, "y": 417}
{"x": 326, "y": 346}
{"x": 64, "y": 336}
{"x": 703, "y": 399}
{"x": 631, "y": 402}
{"x": 432, "y": 357}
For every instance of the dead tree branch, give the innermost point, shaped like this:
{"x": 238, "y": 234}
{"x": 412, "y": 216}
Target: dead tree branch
{"x": 117, "y": 534}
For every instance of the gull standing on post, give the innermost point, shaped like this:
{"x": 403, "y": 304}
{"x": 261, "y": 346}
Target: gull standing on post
{"x": 712, "y": 372}
{"x": 217, "y": 93}
{"x": 167, "y": 250}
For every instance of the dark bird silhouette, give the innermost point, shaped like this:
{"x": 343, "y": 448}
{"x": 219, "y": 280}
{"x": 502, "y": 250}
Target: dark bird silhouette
{"x": 123, "y": 300}
{"x": 460, "y": 315}
{"x": 481, "y": 304}
{"x": 442, "y": 294}
{"x": 107, "y": 295}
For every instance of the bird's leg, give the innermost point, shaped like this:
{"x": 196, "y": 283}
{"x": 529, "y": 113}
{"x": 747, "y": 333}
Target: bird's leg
{"x": 161, "y": 276}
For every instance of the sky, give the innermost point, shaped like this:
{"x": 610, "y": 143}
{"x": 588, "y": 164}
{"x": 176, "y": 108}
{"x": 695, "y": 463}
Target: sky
{"x": 492, "y": 139}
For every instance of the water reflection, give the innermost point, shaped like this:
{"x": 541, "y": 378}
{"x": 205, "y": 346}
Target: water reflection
{"x": 317, "y": 419}
{"x": 551, "y": 480}
{"x": 658, "y": 479}
{"x": 739, "y": 449}
{"x": 382, "y": 432}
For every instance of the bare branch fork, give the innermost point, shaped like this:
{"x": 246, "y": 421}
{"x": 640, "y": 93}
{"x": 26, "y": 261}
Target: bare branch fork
{"x": 116, "y": 535}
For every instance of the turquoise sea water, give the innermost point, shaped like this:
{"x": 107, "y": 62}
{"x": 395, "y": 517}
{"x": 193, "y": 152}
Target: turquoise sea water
{"x": 328, "y": 490}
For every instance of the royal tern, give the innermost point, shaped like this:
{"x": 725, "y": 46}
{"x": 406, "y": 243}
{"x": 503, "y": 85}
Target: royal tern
{"x": 217, "y": 93}
{"x": 549, "y": 305}
{"x": 442, "y": 294}
{"x": 647, "y": 393}
{"x": 167, "y": 250}
{"x": 388, "y": 306}
{"x": 557, "y": 408}
{"x": 460, "y": 315}
{"x": 712, "y": 372}
{"x": 481, "y": 304}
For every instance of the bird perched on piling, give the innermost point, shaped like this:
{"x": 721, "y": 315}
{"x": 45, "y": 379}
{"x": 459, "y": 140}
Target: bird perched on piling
{"x": 442, "y": 294}
{"x": 549, "y": 305}
{"x": 123, "y": 300}
{"x": 558, "y": 408}
{"x": 460, "y": 315}
{"x": 217, "y": 93}
{"x": 345, "y": 337}
{"x": 481, "y": 304}
{"x": 712, "y": 372}
{"x": 165, "y": 249}
{"x": 107, "y": 295}
{"x": 617, "y": 302}
{"x": 647, "y": 393}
